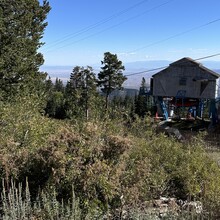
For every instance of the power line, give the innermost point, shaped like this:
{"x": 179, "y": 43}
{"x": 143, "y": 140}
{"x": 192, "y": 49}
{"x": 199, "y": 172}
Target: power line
{"x": 210, "y": 56}
{"x": 147, "y": 71}
{"x": 159, "y": 68}
{"x": 157, "y": 42}
{"x": 103, "y": 21}
{"x": 152, "y": 44}
{"x": 176, "y": 35}
{"x": 111, "y": 27}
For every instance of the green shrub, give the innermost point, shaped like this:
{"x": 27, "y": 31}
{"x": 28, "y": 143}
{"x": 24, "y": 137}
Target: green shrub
{"x": 17, "y": 205}
{"x": 113, "y": 164}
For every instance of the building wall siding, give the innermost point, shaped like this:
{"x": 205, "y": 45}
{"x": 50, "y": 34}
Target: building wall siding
{"x": 196, "y": 81}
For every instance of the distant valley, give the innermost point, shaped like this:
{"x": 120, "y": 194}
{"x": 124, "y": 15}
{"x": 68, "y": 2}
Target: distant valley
{"x": 133, "y": 81}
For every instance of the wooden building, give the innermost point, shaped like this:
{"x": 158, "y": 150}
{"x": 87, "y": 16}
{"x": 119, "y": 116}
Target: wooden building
{"x": 185, "y": 83}
{"x": 186, "y": 78}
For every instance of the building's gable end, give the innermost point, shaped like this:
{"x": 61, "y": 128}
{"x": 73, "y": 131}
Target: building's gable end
{"x": 185, "y": 75}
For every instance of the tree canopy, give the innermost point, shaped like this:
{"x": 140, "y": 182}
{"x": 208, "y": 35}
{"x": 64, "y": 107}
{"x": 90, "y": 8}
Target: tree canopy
{"x": 83, "y": 84}
{"x": 22, "y": 24}
{"x": 111, "y": 77}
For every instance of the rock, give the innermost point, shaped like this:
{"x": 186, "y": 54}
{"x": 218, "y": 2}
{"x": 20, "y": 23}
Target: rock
{"x": 166, "y": 204}
{"x": 193, "y": 206}
{"x": 173, "y": 132}
{"x": 169, "y": 131}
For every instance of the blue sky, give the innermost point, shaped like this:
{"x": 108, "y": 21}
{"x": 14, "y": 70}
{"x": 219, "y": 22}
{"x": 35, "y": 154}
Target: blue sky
{"x": 80, "y": 31}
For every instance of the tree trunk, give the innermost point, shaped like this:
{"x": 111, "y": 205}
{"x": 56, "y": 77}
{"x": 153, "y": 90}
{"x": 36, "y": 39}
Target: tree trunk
{"x": 106, "y": 101}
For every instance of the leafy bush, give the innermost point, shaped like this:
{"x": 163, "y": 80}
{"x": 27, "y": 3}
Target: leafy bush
{"x": 16, "y": 205}
{"x": 114, "y": 165}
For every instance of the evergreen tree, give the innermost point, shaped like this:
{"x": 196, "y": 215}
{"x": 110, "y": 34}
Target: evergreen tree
{"x": 129, "y": 103}
{"x": 58, "y": 86}
{"x": 143, "y": 88}
{"x": 22, "y": 23}
{"x": 111, "y": 76}
{"x": 55, "y": 106}
{"x": 82, "y": 87}
{"x": 141, "y": 105}
{"x": 69, "y": 104}
{"x": 49, "y": 85}
{"x": 143, "y": 102}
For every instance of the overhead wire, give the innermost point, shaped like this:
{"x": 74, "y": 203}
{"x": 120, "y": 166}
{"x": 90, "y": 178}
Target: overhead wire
{"x": 90, "y": 27}
{"x": 111, "y": 27}
{"x": 176, "y": 35}
{"x": 152, "y": 44}
{"x": 146, "y": 71}
{"x": 163, "y": 67}
{"x": 206, "y": 57}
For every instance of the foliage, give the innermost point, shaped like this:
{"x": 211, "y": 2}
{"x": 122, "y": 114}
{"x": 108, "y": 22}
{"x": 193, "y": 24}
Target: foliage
{"x": 22, "y": 24}
{"x": 55, "y": 105}
{"x": 78, "y": 99}
{"x": 115, "y": 163}
{"x": 111, "y": 76}
{"x": 143, "y": 87}
{"x": 144, "y": 101}
{"x": 16, "y": 204}
{"x": 121, "y": 107}
{"x": 58, "y": 85}
{"x": 23, "y": 131}
{"x": 82, "y": 87}
{"x": 111, "y": 167}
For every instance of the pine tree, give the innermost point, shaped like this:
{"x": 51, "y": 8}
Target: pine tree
{"x": 143, "y": 102}
{"x": 58, "y": 86}
{"x": 55, "y": 106}
{"x": 111, "y": 76}
{"x": 22, "y": 23}
{"x": 143, "y": 88}
{"x": 49, "y": 85}
{"x": 82, "y": 87}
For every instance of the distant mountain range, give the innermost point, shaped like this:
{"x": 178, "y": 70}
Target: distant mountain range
{"x": 133, "y": 81}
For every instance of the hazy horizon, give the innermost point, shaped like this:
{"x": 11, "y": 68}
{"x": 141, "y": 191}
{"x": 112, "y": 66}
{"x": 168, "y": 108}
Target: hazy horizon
{"x": 63, "y": 72}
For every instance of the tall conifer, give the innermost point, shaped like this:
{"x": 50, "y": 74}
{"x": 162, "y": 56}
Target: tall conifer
{"x": 111, "y": 77}
{"x": 22, "y": 23}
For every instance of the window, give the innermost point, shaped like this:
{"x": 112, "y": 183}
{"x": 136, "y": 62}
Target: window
{"x": 182, "y": 81}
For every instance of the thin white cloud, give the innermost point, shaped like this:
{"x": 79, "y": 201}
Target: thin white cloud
{"x": 189, "y": 50}
{"x": 126, "y": 54}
